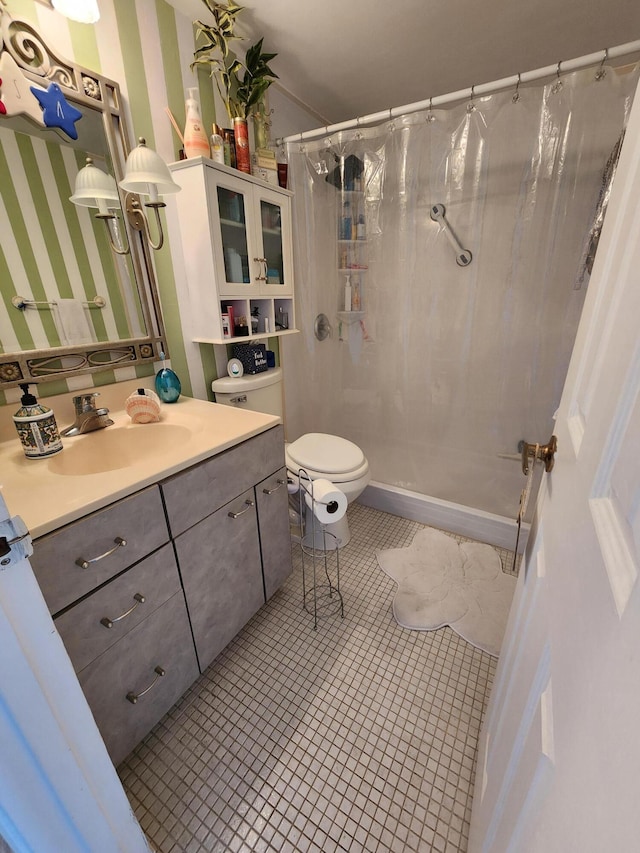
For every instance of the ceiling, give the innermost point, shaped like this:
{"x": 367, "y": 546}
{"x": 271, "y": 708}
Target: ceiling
{"x": 348, "y": 58}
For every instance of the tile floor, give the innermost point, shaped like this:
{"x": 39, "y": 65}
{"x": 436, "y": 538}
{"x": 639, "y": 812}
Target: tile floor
{"x": 360, "y": 736}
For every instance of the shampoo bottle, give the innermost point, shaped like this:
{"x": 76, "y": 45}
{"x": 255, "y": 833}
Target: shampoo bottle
{"x": 196, "y": 143}
{"x": 36, "y": 426}
{"x": 217, "y": 145}
{"x": 347, "y": 294}
{"x": 355, "y": 297}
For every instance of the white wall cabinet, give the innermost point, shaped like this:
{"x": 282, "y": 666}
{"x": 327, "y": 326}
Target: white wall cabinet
{"x": 236, "y": 237}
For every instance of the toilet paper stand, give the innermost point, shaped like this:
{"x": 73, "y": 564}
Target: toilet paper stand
{"x": 323, "y": 596}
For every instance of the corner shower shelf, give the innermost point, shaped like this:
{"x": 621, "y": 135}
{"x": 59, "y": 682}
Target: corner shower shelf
{"x": 350, "y": 316}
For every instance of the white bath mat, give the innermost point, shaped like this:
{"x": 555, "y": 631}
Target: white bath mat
{"x": 441, "y": 582}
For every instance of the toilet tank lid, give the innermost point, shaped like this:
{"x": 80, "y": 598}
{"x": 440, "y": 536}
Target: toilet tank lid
{"x": 328, "y": 453}
{"x": 234, "y": 384}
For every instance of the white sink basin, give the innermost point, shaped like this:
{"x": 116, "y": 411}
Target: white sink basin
{"x": 117, "y": 447}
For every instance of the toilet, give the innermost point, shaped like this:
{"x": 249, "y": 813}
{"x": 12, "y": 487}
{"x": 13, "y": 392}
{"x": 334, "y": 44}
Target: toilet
{"x": 318, "y": 454}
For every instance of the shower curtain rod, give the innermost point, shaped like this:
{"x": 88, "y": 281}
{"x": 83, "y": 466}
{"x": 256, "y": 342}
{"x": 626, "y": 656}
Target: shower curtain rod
{"x": 475, "y": 91}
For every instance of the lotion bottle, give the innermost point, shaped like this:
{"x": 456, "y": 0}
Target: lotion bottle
{"x": 36, "y": 426}
{"x": 347, "y": 294}
{"x": 217, "y": 145}
{"x": 196, "y": 143}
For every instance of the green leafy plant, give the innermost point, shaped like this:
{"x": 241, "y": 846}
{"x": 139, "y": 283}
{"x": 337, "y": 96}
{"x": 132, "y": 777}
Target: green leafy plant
{"x": 242, "y": 95}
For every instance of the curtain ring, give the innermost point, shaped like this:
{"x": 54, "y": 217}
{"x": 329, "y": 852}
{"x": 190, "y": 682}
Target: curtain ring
{"x": 601, "y": 73}
{"x": 430, "y": 115}
{"x": 557, "y": 86}
{"x": 471, "y": 106}
{"x": 516, "y": 94}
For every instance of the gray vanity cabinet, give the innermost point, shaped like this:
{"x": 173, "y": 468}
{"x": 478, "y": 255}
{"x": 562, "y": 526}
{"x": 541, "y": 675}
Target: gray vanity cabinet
{"x": 129, "y": 613}
{"x": 272, "y": 501}
{"x": 221, "y": 571}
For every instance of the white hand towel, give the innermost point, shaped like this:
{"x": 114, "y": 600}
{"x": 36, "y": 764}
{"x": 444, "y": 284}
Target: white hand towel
{"x": 72, "y": 323}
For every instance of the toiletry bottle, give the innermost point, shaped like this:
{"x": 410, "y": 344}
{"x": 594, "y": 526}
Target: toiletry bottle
{"x": 355, "y": 296}
{"x": 347, "y": 294}
{"x": 36, "y": 426}
{"x": 217, "y": 145}
{"x": 345, "y": 222}
{"x": 196, "y": 143}
{"x": 229, "y": 147}
{"x": 361, "y": 228}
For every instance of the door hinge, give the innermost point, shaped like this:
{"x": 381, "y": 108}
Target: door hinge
{"x": 15, "y": 542}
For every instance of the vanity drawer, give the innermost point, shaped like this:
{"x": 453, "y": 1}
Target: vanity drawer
{"x": 92, "y": 626}
{"x": 138, "y": 520}
{"x": 194, "y": 494}
{"x": 162, "y": 641}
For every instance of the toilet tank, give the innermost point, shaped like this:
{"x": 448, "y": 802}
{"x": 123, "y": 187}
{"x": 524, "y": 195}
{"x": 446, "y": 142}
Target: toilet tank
{"x": 260, "y": 392}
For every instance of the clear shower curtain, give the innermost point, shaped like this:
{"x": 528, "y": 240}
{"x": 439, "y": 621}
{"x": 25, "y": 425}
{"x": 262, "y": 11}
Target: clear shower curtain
{"x": 448, "y": 367}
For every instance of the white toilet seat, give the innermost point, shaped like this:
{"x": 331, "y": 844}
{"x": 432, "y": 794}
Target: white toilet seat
{"x": 326, "y": 456}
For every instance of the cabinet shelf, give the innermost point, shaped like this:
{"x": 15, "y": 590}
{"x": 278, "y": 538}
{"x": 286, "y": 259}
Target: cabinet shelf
{"x": 246, "y": 339}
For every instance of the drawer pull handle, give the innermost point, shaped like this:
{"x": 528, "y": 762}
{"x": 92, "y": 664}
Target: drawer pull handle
{"x": 248, "y": 506}
{"x": 108, "y": 623}
{"x": 133, "y": 697}
{"x": 84, "y": 564}
{"x": 275, "y": 489}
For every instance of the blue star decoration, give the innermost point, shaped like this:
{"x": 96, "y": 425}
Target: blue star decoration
{"x": 56, "y": 110}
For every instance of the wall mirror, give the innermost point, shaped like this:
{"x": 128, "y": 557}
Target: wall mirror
{"x": 69, "y": 303}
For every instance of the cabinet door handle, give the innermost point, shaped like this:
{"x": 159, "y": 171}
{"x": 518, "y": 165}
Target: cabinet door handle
{"x": 275, "y": 489}
{"x": 260, "y": 276}
{"x": 108, "y": 623}
{"x": 133, "y": 697}
{"x": 248, "y": 506}
{"x": 84, "y": 564}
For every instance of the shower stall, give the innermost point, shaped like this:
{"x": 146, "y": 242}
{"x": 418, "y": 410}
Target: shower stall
{"x": 468, "y": 234}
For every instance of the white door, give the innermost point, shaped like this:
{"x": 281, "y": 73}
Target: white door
{"x": 58, "y": 788}
{"x": 559, "y": 758}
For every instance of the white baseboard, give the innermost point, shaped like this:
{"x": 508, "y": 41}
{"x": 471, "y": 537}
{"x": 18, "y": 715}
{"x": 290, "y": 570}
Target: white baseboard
{"x": 465, "y": 521}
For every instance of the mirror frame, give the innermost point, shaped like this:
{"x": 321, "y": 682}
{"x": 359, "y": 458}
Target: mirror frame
{"x": 83, "y": 87}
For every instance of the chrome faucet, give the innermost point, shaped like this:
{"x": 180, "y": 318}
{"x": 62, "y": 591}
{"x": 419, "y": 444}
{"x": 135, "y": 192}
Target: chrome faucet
{"x": 88, "y": 418}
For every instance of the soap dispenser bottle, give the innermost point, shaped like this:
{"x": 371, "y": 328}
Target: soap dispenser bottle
{"x": 196, "y": 143}
{"x": 36, "y": 426}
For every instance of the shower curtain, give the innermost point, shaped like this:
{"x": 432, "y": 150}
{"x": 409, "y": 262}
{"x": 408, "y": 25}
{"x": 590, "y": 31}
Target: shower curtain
{"x": 446, "y": 367}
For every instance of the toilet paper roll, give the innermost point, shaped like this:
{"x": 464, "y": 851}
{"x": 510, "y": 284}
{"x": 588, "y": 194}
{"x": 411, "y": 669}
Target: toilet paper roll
{"x": 326, "y": 500}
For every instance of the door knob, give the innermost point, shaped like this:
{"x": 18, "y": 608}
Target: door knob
{"x": 544, "y": 452}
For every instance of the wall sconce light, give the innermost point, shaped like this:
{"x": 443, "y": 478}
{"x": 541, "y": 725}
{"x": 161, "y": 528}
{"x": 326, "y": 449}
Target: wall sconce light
{"x": 84, "y": 11}
{"x": 94, "y": 188}
{"x": 146, "y": 174}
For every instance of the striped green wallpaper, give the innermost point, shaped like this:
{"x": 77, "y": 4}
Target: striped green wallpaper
{"x": 146, "y": 46}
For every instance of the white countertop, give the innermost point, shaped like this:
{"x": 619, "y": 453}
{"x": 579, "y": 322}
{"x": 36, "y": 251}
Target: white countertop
{"x": 48, "y": 493}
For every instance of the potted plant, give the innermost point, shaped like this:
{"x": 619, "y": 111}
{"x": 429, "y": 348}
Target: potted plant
{"x": 242, "y": 85}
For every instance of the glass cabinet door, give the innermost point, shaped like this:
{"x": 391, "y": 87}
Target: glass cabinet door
{"x": 271, "y": 225}
{"x": 274, "y": 222}
{"x": 233, "y": 230}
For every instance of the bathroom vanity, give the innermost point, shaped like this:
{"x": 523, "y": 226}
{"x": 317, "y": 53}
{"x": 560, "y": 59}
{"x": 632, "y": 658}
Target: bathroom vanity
{"x": 173, "y": 553}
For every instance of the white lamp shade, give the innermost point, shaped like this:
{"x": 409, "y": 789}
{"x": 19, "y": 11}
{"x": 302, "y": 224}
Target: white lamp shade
{"x": 146, "y": 173}
{"x": 92, "y": 185}
{"x": 85, "y": 11}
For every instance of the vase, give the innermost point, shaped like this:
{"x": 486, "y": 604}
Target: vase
{"x": 241, "y": 134}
